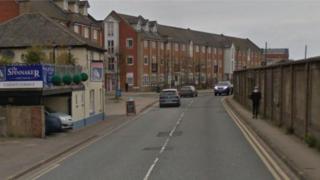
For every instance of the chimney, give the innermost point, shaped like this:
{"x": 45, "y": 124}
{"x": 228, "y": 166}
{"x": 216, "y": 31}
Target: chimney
{"x": 24, "y": 6}
{"x": 73, "y": 6}
{"x": 63, "y": 4}
{"x": 83, "y": 7}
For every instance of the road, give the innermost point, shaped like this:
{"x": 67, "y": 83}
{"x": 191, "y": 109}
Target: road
{"x": 196, "y": 141}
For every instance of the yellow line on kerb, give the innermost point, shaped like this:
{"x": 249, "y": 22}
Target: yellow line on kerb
{"x": 270, "y": 163}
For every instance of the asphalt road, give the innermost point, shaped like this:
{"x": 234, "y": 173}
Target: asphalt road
{"x": 197, "y": 141}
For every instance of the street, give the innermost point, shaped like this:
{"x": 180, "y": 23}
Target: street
{"x": 196, "y": 141}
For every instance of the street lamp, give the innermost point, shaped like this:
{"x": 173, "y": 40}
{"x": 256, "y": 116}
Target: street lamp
{"x": 117, "y": 93}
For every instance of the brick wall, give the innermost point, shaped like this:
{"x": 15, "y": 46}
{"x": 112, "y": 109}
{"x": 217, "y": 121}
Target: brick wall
{"x": 22, "y": 121}
{"x": 126, "y": 31}
{"x": 8, "y": 10}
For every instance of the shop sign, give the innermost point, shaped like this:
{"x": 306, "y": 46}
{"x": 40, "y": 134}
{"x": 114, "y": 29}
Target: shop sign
{"x": 96, "y": 71}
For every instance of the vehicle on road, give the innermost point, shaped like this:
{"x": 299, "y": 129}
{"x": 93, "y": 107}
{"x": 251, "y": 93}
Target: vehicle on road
{"x": 169, "y": 97}
{"x": 188, "y": 91}
{"x": 57, "y": 121}
{"x": 223, "y": 87}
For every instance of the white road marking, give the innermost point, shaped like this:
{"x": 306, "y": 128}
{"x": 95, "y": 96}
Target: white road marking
{"x": 45, "y": 171}
{"x": 146, "y": 177}
{"x": 54, "y": 164}
{"x": 272, "y": 166}
{"x": 151, "y": 168}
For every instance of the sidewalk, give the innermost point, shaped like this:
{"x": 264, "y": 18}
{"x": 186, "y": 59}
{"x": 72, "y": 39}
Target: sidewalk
{"x": 20, "y": 154}
{"x": 118, "y": 107}
{"x": 293, "y": 151}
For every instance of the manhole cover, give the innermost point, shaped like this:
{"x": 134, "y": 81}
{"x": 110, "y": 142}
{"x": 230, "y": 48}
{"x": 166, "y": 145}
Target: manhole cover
{"x": 166, "y": 134}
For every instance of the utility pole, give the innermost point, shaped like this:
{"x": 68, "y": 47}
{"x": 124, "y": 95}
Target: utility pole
{"x": 305, "y": 51}
{"x": 265, "y": 54}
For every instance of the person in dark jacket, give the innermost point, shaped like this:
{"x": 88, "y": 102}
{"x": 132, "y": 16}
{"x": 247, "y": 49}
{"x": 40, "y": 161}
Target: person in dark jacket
{"x": 255, "y": 98}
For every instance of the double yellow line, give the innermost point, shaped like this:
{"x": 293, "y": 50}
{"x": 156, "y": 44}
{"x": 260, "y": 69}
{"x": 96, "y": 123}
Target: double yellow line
{"x": 270, "y": 163}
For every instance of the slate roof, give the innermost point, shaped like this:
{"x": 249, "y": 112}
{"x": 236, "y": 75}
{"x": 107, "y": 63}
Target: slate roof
{"x": 38, "y": 29}
{"x": 182, "y": 35}
{"x": 52, "y": 10}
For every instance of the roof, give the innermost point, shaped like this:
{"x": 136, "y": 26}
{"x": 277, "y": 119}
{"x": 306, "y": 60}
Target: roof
{"x": 277, "y": 51}
{"x": 37, "y": 29}
{"x": 177, "y": 34}
{"x": 52, "y": 10}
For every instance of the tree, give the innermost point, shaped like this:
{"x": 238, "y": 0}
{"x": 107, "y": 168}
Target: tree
{"x": 5, "y": 60}
{"x": 34, "y": 55}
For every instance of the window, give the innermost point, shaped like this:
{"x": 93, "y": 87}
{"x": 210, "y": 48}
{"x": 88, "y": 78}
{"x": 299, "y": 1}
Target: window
{"x": 153, "y": 45}
{"x": 76, "y": 29}
{"x": 92, "y": 108}
{"x": 203, "y": 49}
{"x": 168, "y": 46}
{"x": 209, "y": 50}
{"x": 86, "y": 32}
{"x": 129, "y": 43}
{"x": 161, "y": 45}
{"x": 183, "y": 47}
{"x": 111, "y": 64}
{"x": 130, "y": 60}
{"x": 176, "y": 46}
{"x": 110, "y": 46}
{"x": 197, "y": 48}
{"x": 130, "y": 79}
{"x": 110, "y": 28}
{"x": 95, "y": 34}
{"x": 145, "y": 44}
{"x": 145, "y": 79}
{"x": 162, "y": 61}
{"x": 145, "y": 60}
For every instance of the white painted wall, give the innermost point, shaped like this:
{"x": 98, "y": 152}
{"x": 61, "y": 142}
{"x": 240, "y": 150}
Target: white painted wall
{"x": 229, "y": 59}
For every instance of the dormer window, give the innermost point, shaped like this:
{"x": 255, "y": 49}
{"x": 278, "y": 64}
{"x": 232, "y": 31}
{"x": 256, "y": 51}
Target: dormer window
{"x": 146, "y": 26}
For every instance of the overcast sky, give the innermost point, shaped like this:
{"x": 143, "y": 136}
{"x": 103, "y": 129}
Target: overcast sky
{"x": 282, "y": 23}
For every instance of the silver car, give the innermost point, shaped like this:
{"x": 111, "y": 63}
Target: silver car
{"x": 65, "y": 119}
{"x": 169, "y": 97}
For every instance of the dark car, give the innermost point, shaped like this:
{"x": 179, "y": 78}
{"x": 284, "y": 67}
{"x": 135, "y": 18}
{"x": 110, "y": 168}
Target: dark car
{"x": 188, "y": 91}
{"x": 223, "y": 87}
{"x": 169, "y": 97}
{"x": 52, "y": 123}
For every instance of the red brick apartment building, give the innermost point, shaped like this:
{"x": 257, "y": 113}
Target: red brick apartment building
{"x": 275, "y": 55}
{"x": 70, "y": 13}
{"x": 144, "y": 54}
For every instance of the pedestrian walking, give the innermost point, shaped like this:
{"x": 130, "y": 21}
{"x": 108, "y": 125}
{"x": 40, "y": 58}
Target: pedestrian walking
{"x": 255, "y": 98}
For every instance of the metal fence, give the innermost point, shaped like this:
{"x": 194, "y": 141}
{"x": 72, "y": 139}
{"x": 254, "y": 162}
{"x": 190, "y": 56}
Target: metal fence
{"x": 290, "y": 94}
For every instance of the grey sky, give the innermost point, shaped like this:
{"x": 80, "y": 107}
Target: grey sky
{"x": 283, "y": 24}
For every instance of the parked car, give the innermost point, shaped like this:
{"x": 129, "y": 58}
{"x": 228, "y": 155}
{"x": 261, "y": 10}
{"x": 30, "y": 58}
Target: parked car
{"x": 57, "y": 121}
{"x": 169, "y": 97}
{"x": 223, "y": 87}
{"x": 188, "y": 91}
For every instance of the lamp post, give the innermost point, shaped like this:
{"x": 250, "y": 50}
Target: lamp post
{"x": 117, "y": 76}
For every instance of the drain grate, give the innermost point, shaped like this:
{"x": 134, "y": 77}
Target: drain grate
{"x": 157, "y": 148}
{"x": 166, "y": 134}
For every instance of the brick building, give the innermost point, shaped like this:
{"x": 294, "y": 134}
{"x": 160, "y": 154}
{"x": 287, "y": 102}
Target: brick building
{"x": 275, "y": 55}
{"x": 70, "y": 13}
{"x": 145, "y": 54}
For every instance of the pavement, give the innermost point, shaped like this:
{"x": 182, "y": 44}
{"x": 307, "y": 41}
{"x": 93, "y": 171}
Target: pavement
{"x": 304, "y": 161}
{"x": 21, "y": 155}
{"x": 195, "y": 141}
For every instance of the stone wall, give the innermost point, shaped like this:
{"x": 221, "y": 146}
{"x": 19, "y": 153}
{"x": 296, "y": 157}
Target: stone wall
{"x": 290, "y": 94}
